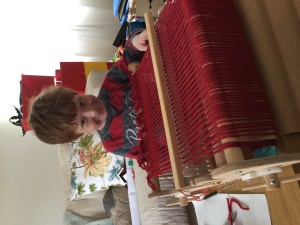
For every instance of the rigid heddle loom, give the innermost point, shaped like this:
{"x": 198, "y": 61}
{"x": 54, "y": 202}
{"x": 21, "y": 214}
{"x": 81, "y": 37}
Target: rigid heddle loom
{"x": 202, "y": 101}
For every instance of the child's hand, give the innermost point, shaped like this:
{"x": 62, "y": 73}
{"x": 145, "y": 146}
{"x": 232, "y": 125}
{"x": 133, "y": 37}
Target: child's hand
{"x": 132, "y": 67}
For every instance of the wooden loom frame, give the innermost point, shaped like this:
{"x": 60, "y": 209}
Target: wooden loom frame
{"x": 235, "y": 163}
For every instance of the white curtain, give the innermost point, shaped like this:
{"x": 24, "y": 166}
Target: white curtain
{"x": 36, "y": 35}
{"x": 96, "y": 29}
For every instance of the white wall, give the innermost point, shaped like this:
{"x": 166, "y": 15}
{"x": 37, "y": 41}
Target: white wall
{"x": 35, "y": 37}
{"x": 31, "y": 190}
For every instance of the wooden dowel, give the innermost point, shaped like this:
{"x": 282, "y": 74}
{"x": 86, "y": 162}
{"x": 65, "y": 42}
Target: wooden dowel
{"x": 234, "y": 154}
{"x": 183, "y": 201}
{"x": 155, "y": 181}
{"x": 289, "y": 179}
{"x": 177, "y": 202}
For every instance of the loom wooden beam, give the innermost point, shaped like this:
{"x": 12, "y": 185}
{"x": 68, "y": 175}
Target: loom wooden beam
{"x": 193, "y": 188}
{"x": 218, "y": 189}
{"x": 164, "y": 103}
{"x": 283, "y": 180}
{"x": 234, "y": 171}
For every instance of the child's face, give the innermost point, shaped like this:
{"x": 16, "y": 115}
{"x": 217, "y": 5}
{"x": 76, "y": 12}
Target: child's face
{"x": 91, "y": 113}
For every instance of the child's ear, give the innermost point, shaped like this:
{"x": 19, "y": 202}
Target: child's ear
{"x": 132, "y": 67}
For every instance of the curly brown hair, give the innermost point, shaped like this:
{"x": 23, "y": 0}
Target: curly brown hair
{"x": 52, "y": 115}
